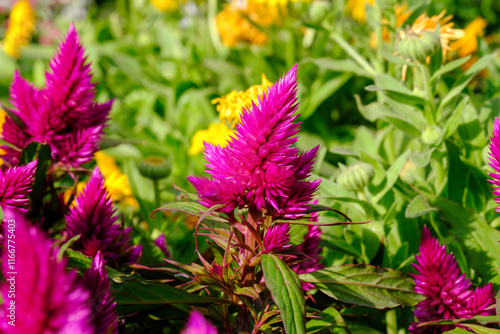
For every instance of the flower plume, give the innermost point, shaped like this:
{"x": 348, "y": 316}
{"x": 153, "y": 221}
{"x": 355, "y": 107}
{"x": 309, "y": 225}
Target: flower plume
{"x": 495, "y": 160}
{"x": 93, "y": 217}
{"x": 15, "y": 185}
{"x": 47, "y": 298}
{"x": 260, "y": 169}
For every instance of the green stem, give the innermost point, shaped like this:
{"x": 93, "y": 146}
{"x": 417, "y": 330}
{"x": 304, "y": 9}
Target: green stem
{"x": 391, "y": 322}
{"x": 429, "y": 95}
{"x": 157, "y": 193}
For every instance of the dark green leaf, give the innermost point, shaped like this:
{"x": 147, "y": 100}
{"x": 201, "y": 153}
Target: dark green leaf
{"x": 448, "y": 67}
{"x": 418, "y": 207}
{"x": 366, "y": 285}
{"x": 191, "y": 208}
{"x": 330, "y": 321}
{"x": 287, "y": 293}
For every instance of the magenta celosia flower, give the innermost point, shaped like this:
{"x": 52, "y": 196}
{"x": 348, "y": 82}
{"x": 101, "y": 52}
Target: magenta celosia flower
{"x": 63, "y": 114}
{"x": 92, "y": 216}
{"x": 310, "y": 251}
{"x": 495, "y": 160}
{"x": 197, "y": 324}
{"x": 161, "y": 243}
{"x": 259, "y": 168}
{"x": 97, "y": 283}
{"x": 447, "y": 290}
{"x": 47, "y": 299}
{"x": 15, "y": 185}
{"x": 277, "y": 238}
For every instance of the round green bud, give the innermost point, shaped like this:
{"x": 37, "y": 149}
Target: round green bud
{"x": 431, "y": 134}
{"x": 154, "y": 168}
{"x": 356, "y": 177}
{"x": 419, "y": 46}
{"x": 319, "y": 9}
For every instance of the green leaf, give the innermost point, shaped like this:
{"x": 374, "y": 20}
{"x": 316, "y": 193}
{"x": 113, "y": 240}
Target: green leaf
{"x": 330, "y": 321}
{"x": 449, "y": 67}
{"x": 370, "y": 71}
{"x": 365, "y": 285}
{"x": 397, "y": 60}
{"x": 482, "y": 330}
{"x": 287, "y": 293}
{"x": 338, "y": 65}
{"x": 478, "y": 319}
{"x": 418, "y": 207}
{"x": 421, "y": 159}
{"x": 458, "y": 331}
{"x": 391, "y": 176}
{"x": 193, "y": 208}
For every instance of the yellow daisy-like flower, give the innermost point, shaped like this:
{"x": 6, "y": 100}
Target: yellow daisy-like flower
{"x": 235, "y": 28}
{"x": 468, "y": 43}
{"x": 217, "y": 134}
{"x": 21, "y": 27}
{"x": 231, "y": 106}
{"x": 115, "y": 181}
{"x": 447, "y": 33}
{"x": 357, "y": 9}
{"x": 401, "y": 13}
{"x": 165, "y": 5}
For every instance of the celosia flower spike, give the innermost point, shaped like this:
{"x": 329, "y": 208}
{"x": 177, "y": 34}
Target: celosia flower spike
{"x": 47, "y": 298}
{"x": 447, "y": 291}
{"x": 260, "y": 168}
{"x": 495, "y": 160}
{"x": 197, "y": 324}
{"x": 277, "y": 238}
{"x": 93, "y": 217}
{"x": 15, "y": 185}
{"x": 103, "y": 305}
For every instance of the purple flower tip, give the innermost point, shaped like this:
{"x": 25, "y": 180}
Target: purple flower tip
{"x": 495, "y": 160}
{"x": 259, "y": 168}
{"x": 277, "y": 238}
{"x": 15, "y": 185}
{"x": 93, "y": 217}
{"x": 46, "y": 298}
{"x": 161, "y": 243}
{"x": 103, "y": 305}
{"x": 197, "y": 324}
{"x": 447, "y": 290}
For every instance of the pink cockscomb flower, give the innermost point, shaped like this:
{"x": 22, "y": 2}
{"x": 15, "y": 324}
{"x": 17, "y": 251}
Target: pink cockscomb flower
{"x": 93, "y": 217}
{"x": 47, "y": 298}
{"x": 15, "y": 185}
{"x": 310, "y": 254}
{"x": 63, "y": 114}
{"x": 447, "y": 290}
{"x": 260, "y": 169}
{"x": 197, "y": 324}
{"x": 97, "y": 283}
{"x": 495, "y": 160}
{"x": 277, "y": 238}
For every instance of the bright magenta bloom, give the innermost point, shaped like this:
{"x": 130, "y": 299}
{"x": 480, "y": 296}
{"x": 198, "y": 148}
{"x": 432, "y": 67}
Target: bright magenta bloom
{"x": 310, "y": 256}
{"x": 47, "y": 298}
{"x": 93, "y": 217}
{"x": 63, "y": 114}
{"x": 447, "y": 290}
{"x": 260, "y": 169}
{"x": 277, "y": 238}
{"x": 103, "y": 305}
{"x": 15, "y": 185}
{"x": 197, "y": 324}
{"x": 495, "y": 160}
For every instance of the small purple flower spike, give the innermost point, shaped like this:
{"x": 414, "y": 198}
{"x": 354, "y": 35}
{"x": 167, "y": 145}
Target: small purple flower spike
{"x": 103, "y": 305}
{"x": 15, "y": 185}
{"x": 47, "y": 298}
{"x": 495, "y": 161}
{"x": 92, "y": 216}
{"x": 277, "y": 238}
{"x": 161, "y": 243}
{"x": 197, "y": 324}
{"x": 447, "y": 290}
{"x": 312, "y": 249}
{"x": 260, "y": 169}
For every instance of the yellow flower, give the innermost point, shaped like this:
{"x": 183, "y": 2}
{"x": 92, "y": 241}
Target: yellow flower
{"x": 235, "y": 28}
{"x": 165, "y": 5}
{"x": 69, "y": 192}
{"x": 447, "y": 33}
{"x": 401, "y": 13}
{"x": 21, "y": 26}
{"x": 115, "y": 181}
{"x": 468, "y": 43}
{"x": 357, "y": 9}
{"x": 217, "y": 134}
{"x": 231, "y": 106}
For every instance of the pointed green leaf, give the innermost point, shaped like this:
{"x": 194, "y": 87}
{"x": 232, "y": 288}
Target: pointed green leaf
{"x": 418, "y": 207}
{"x": 330, "y": 320}
{"x": 287, "y": 293}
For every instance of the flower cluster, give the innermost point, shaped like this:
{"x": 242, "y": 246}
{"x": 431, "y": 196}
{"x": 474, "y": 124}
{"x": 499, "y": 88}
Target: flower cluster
{"x": 15, "y": 185}
{"x": 21, "y": 27}
{"x": 495, "y": 161}
{"x": 448, "y": 292}
{"x": 165, "y": 5}
{"x": 92, "y": 216}
{"x": 63, "y": 114}
{"x": 216, "y": 134}
{"x": 357, "y": 9}
{"x": 260, "y": 169}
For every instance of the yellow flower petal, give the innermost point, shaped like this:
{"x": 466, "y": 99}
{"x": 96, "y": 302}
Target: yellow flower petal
{"x": 21, "y": 27}
{"x": 217, "y": 134}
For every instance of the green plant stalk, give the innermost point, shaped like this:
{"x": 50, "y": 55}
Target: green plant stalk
{"x": 212, "y": 28}
{"x": 425, "y": 77}
{"x": 391, "y": 322}
{"x": 157, "y": 193}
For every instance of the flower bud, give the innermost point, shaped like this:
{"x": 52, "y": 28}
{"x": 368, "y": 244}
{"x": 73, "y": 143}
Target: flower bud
{"x": 419, "y": 46}
{"x": 154, "y": 168}
{"x": 431, "y": 135}
{"x": 356, "y": 177}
